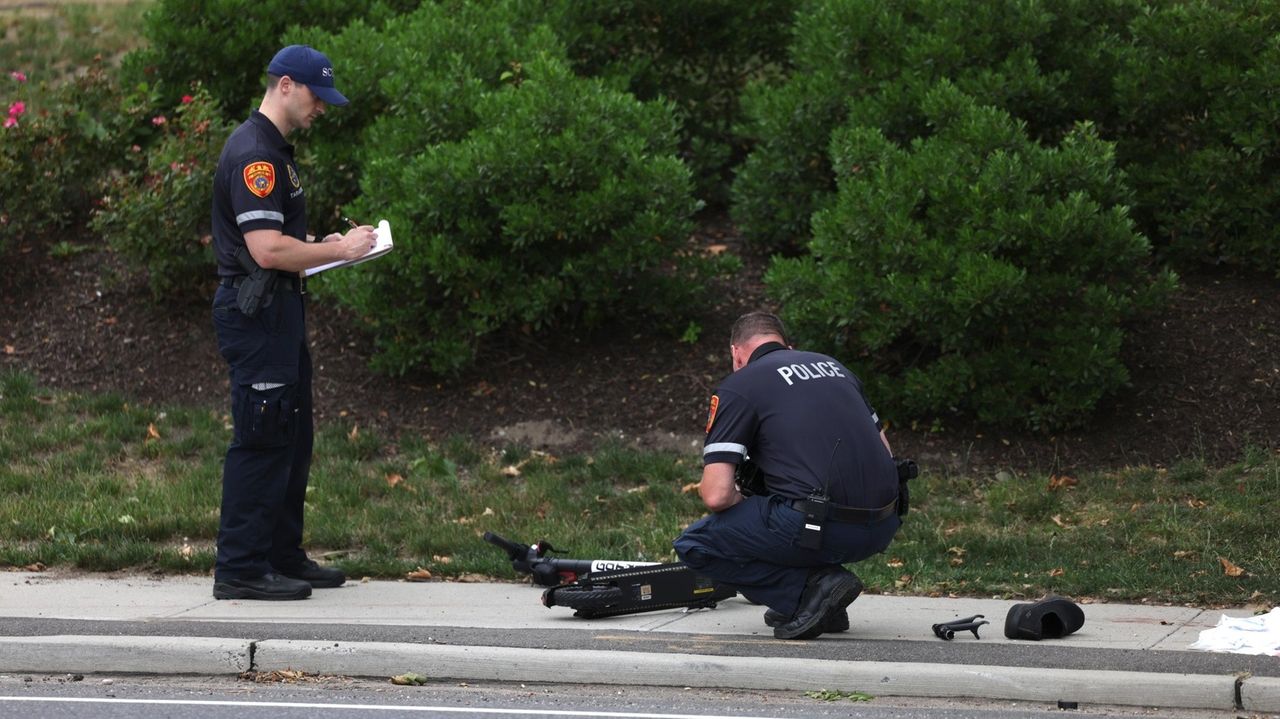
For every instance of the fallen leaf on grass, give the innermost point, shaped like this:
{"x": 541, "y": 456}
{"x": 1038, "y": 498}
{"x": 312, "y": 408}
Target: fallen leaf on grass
{"x": 354, "y": 434}
{"x": 152, "y": 432}
{"x": 1230, "y": 569}
{"x": 690, "y": 487}
{"x": 418, "y": 575}
{"x": 37, "y": 567}
{"x": 1059, "y": 482}
{"x": 1057, "y": 572}
{"x": 10, "y": 350}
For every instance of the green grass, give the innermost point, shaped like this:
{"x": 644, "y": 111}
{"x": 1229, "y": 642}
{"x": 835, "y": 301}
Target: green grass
{"x": 87, "y": 483}
{"x": 52, "y": 40}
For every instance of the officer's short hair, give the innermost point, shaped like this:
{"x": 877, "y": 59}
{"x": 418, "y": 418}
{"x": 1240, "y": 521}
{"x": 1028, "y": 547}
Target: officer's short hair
{"x": 753, "y": 324}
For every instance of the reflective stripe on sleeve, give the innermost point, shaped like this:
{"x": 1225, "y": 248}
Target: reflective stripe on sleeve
{"x": 724, "y": 447}
{"x": 244, "y": 217}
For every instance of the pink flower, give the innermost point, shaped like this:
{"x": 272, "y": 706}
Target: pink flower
{"x": 11, "y": 122}
{"x": 17, "y": 75}
{"x": 158, "y": 120}
{"x": 17, "y": 108}
{"x": 186, "y": 99}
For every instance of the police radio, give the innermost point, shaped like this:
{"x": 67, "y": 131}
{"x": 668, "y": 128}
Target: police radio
{"x": 815, "y": 516}
{"x": 816, "y": 507}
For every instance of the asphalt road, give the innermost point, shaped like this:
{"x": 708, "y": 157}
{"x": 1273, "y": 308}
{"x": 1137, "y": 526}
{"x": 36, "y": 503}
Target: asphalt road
{"x": 66, "y": 697}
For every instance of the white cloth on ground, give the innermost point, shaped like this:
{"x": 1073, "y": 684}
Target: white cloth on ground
{"x": 1258, "y": 634}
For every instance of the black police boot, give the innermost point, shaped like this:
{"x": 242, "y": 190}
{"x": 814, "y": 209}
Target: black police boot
{"x": 837, "y": 620}
{"x": 826, "y": 590}
{"x": 317, "y": 576}
{"x": 270, "y": 586}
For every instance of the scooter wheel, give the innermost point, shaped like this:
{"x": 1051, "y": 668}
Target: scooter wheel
{"x": 586, "y": 600}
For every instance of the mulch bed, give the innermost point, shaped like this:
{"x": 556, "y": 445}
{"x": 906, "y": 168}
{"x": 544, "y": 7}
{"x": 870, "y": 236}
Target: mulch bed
{"x": 1205, "y": 372}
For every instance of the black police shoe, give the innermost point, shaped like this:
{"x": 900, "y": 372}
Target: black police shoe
{"x": 270, "y": 586}
{"x": 316, "y": 575}
{"x": 826, "y": 590}
{"x": 837, "y": 620}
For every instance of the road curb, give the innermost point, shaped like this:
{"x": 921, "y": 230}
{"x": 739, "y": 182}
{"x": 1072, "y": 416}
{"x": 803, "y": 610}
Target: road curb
{"x": 79, "y": 654}
{"x": 479, "y": 663}
{"x": 215, "y": 656}
{"x": 1260, "y": 694}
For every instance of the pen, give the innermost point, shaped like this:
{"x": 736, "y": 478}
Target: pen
{"x": 350, "y": 222}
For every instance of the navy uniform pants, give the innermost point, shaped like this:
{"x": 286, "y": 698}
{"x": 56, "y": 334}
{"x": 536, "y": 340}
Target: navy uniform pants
{"x": 264, "y": 478}
{"x": 750, "y": 547}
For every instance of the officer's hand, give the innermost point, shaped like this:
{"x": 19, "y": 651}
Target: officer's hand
{"x": 357, "y": 242}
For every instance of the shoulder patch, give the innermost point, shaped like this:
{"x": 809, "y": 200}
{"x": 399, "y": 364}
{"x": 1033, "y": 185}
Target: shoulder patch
{"x": 260, "y": 178}
{"x": 293, "y": 177}
{"x": 711, "y": 414}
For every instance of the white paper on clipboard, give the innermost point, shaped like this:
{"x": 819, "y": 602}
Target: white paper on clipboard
{"x": 381, "y": 246}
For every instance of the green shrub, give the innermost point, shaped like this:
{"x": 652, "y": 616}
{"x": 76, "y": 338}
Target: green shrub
{"x": 226, "y": 44}
{"x": 158, "y": 217}
{"x": 974, "y": 272}
{"x": 58, "y": 140}
{"x": 452, "y": 65}
{"x": 1041, "y": 61}
{"x": 521, "y": 195}
{"x": 698, "y": 54}
{"x": 1197, "y": 134}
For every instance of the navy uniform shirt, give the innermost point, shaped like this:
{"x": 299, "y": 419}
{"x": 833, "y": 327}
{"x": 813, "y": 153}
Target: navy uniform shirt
{"x": 256, "y": 187}
{"x": 802, "y": 417}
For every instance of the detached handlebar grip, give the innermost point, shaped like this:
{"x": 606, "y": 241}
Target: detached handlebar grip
{"x": 947, "y": 630}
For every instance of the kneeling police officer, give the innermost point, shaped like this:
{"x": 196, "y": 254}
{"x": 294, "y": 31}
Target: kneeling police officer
{"x": 826, "y": 483}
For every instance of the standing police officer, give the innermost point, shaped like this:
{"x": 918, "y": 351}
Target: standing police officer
{"x": 801, "y": 421}
{"x": 261, "y": 244}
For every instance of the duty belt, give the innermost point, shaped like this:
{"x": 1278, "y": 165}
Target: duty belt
{"x": 851, "y": 515}
{"x": 284, "y": 283}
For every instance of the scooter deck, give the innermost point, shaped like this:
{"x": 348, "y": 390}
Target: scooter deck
{"x": 637, "y": 589}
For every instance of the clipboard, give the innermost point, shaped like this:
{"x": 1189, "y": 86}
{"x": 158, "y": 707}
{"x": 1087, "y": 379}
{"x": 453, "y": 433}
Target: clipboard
{"x": 381, "y": 246}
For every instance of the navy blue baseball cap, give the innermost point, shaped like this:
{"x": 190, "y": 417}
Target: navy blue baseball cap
{"x": 309, "y": 66}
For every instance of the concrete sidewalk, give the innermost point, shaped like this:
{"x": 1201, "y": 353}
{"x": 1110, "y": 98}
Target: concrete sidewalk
{"x": 1124, "y": 654}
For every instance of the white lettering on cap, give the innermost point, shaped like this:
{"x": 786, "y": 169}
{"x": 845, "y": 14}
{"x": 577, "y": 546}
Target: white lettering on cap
{"x": 326, "y": 72}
